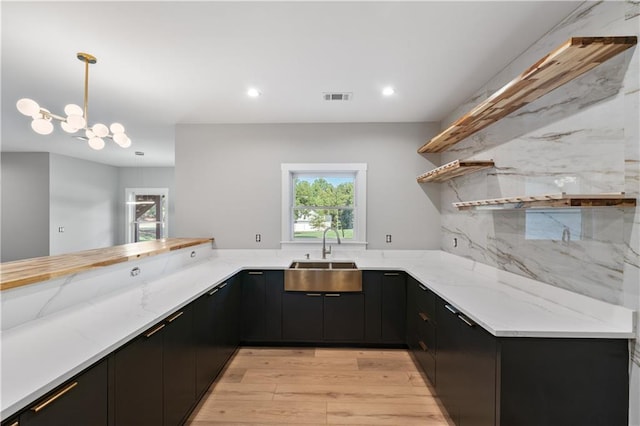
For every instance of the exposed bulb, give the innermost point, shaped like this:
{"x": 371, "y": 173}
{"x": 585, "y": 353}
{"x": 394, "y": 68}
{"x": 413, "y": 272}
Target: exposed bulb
{"x": 76, "y": 121}
{"x": 116, "y": 128}
{"x": 28, "y": 107}
{"x": 96, "y": 143}
{"x": 73, "y": 109}
{"x": 42, "y": 126}
{"x": 67, "y": 127}
{"x": 100, "y": 130}
{"x": 126, "y": 143}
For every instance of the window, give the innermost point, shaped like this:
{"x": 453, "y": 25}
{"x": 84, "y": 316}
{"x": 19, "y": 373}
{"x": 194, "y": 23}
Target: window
{"x": 321, "y": 196}
{"x": 147, "y": 215}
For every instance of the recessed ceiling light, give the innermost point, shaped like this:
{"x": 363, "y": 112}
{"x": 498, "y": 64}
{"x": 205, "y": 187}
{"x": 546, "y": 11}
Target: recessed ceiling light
{"x": 388, "y": 91}
{"x": 253, "y": 92}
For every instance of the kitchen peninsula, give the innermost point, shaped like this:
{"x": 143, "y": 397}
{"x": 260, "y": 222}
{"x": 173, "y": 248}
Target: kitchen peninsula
{"x": 56, "y": 328}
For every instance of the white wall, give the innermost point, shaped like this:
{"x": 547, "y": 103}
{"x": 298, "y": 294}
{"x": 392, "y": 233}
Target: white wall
{"x": 581, "y": 138}
{"x": 25, "y": 205}
{"x": 83, "y": 199}
{"x": 228, "y": 179}
{"x": 145, "y": 177}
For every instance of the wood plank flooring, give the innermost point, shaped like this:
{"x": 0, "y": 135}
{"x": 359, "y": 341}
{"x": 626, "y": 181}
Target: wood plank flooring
{"x": 319, "y": 386}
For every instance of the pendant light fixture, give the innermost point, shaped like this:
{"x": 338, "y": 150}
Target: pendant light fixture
{"x": 76, "y": 117}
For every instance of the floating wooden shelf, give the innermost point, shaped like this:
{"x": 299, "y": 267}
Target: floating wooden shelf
{"x": 550, "y": 201}
{"x": 572, "y": 59}
{"x": 454, "y": 169}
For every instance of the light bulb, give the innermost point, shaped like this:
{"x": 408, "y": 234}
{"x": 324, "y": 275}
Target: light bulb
{"x": 253, "y": 92}
{"x": 89, "y": 134}
{"x": 42, "y": 126}
{"x": 119, "y": 138}
{"x": 126, "y": 143}
{"x": 28, "y": 107}
{"x": 388, "y": 91}
{"x": 100, "y": 130}
{"x": 76, "y": 121}
{"x": 67, "y": 127}
{"x": 73, "y": 109}
{"x": 116, "y": 128}
{"x": 96, "y": 143}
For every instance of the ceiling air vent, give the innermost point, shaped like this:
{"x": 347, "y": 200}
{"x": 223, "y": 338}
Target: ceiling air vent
{"x": 333, "y": 96}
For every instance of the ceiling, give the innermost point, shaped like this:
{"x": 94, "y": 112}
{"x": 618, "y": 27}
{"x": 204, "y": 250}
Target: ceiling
{"x": 162, "y": 63}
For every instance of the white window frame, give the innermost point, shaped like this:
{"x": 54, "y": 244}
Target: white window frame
{"x": 129, "y": 197}
{"x": 289, "y": 170}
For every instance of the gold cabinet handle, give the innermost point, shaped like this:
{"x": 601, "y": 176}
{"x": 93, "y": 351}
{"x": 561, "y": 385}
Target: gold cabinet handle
{"x": 175, "y": 317}
{"x": 255, "y": 273}
{"x": 223, "y": 285}
{"x": 16, "y": 423}
{"x": 212, "y": 292}
{"x": 423, "y": 346}
{"x": 57, "y": 395}
{"x": 391, "y": 274}
{"x": 424, "y": 317}
{"x": 332, "y": 295}
{"x": 314, "y": 294}
{"x": 154, "y": 331}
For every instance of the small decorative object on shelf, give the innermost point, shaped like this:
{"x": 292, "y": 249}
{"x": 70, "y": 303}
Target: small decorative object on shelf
{"x": 572, "y": 59}
{"x": 454, "y": 169}
{"x": 549, "y": 201}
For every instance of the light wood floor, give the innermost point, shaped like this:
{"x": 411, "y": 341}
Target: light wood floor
{"x": 309, "y": 386}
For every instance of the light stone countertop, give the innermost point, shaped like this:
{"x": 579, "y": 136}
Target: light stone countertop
{"x": 55, "y": 329}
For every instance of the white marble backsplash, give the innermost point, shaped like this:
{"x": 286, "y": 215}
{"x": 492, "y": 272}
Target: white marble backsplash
{"x": 23, "y": 304}
{"x": 581, "y": 138}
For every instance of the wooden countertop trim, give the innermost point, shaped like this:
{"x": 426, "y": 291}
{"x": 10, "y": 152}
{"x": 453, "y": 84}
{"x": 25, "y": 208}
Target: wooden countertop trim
{"x": 29, "y": 271}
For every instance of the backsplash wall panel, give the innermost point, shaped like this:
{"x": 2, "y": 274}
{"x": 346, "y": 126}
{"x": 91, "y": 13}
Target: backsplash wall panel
{"x": 581, "y": 138}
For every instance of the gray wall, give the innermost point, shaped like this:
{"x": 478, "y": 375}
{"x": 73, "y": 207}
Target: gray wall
{"x": 580, "y": 138}
{"x": 25, "y": 205}
{"x": 145, "y": 177}
{"x": 83, "y": 199}
{"x": 228, "y": 179}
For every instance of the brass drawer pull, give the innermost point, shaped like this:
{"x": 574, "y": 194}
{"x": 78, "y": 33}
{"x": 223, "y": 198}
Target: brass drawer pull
{"x": 314, "y": 294}
{"x": 466, "y": 320}
{"x": 154, "y": 331}
{"x": 57, "y": 395}
{"x": 16, "y": 423}
{"x": 332, "y": 295}
{"x": 424, "y": 317}
{"x": 175, "y": 317}
{"x": 391, "y": 274}
{"x": 212, "y": 292}
{"x": 423, "y": 346}
{"x": 255, "y": 273}
{"x": 423, "y": 288}
{"x": 223, "y": 285}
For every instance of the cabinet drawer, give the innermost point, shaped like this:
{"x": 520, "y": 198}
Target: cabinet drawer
{"x": 425, "y": 300}
{"x": 427, "y": 360}
{"x": 426, "y": 333}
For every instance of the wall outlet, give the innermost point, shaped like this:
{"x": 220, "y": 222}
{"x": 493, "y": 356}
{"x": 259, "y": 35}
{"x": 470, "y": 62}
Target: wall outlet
{"x": 455, "y": 242}
{"x": 258, "y": 238}
{"x": 388, "y": 238}
{"x": 60, "y": 228}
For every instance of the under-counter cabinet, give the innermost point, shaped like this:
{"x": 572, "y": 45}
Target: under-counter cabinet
{"x": 421, "y": 326}
{"x": 262, "y": 306}
{"x": 82, "y": 400}
{"x": 385, "y": 307}
{"x": 343, "y": 317}
{"x": 217, "y": 330}
{"x": 302, "y": 317}
{"x": 486, "y": 380}
{"x": 154, "y": 375}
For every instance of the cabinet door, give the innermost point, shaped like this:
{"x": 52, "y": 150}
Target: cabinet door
{"x": 466, "y": 368}
{"x": 179, "y": 366}
{"x": 138, "y": 380}
{"x": 344, "y": 317}
{"x": 302, "y": 317}
{"x": 207, "y": 346}
{"x": 227, "y": 308}
{"x": 274, "y": 287}
{"x": 372, "y": 289}
{"x": 394, "y": 300}
{"x": 253, "y": 306}
{"x": 82, "y": 401}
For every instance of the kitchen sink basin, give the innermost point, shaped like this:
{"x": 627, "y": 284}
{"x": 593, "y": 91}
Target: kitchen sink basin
{"x": 319, "y": 276}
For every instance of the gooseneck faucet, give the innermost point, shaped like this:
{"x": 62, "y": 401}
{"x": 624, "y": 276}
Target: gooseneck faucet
{"x": 325, "y": 252}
